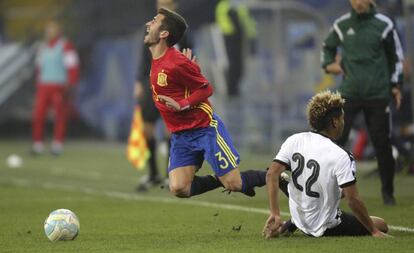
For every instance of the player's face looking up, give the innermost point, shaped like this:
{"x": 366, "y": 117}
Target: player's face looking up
{"x": 153, "y": 35}
{"x": 360, "y": 6}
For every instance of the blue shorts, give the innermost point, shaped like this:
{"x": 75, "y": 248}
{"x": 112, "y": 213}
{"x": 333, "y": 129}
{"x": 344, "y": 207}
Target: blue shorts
{"x": 212, "y": 144}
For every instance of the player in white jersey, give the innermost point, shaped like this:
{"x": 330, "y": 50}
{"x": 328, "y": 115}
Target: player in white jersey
{"x": 322, "y": 172}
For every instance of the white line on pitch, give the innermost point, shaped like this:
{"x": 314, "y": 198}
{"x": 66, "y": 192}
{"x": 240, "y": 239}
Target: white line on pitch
{"x": 130, "y": 196}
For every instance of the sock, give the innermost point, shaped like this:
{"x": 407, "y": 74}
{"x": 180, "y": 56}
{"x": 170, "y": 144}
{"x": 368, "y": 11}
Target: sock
{"x": 204, "y": 184}
{"x": 288, "y": 227}
{"x": 251, "y": 179}
{"x": 153, "y": 169}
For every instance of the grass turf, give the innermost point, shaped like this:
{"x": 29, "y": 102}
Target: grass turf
{"x": 95, "y": 181}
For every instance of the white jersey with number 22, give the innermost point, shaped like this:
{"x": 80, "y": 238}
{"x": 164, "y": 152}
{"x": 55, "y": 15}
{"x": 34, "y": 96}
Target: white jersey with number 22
{"x": 320, "y": 168}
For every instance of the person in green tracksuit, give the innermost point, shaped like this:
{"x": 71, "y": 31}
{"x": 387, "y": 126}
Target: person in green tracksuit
{"x": 371, "y": 65}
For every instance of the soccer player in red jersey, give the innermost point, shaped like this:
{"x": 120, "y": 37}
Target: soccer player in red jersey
{"x": 181, "y": 94}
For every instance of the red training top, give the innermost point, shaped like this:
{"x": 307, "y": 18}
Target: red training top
{"x": 177, "y": 77}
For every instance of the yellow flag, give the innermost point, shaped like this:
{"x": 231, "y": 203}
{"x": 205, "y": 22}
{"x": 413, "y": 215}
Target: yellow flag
{"x": 137, "y": 150}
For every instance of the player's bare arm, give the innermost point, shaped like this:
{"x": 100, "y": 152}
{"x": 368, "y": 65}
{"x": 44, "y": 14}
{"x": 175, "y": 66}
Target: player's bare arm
{"x": 360, "y": 211}
{"x": 274, "y": 222}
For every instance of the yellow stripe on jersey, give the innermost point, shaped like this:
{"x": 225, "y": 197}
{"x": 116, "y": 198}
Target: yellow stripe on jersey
{"x": 223, "y": 145}
{"x": 206, "y": 111}
{"x": 206, "y": 108}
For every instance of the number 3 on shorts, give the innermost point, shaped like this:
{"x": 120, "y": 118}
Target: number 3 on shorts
{"x": 222, "y": 161}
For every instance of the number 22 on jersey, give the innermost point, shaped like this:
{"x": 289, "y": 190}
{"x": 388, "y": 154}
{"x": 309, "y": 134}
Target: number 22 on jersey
{"x": 312, "y": 165}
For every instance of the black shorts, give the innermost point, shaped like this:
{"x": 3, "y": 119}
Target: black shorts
{"x": 150, "y": 113}
{"x": 349, "y": 226}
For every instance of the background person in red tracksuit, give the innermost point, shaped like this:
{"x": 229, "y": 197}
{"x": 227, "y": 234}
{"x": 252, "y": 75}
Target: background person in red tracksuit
{"x": 57, "y": 72}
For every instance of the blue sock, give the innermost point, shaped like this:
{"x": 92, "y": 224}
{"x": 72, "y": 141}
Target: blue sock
{"x": 257, "y": 178}
{"x": 204, "y": 184}
{"x": 251, "y": 179}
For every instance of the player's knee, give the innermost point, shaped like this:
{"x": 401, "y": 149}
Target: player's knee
{"x": 180, "y": 190}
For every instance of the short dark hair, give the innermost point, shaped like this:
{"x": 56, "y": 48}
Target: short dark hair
{"x": 174, "y": 23}
{"x": 322, "y": 108}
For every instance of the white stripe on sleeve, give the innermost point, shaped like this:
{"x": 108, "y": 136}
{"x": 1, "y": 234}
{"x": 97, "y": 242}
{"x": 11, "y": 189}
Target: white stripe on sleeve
{"x": 70, "y": 59}
{"x": 399, "y": 65}
{"x": 389, "y": 23}
{"x": 336, "y": 27}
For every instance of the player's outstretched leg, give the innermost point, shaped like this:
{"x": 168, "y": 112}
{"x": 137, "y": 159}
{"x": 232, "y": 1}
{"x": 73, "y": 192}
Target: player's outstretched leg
{"x": 257, "y": 178}
{"x": 244, "y": 182}
{"x": 184, "y": 183}
{"x": 180, "y": 181}
{"x": 251, "y": 179}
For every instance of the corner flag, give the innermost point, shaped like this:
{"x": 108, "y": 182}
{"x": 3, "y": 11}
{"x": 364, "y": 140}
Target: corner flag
{"x": 137, "y": 150}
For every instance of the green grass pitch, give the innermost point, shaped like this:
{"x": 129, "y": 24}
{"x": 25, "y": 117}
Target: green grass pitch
{"x": 96, "y": 182}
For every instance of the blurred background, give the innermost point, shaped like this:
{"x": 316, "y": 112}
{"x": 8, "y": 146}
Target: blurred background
{"x": 280, "y": 42}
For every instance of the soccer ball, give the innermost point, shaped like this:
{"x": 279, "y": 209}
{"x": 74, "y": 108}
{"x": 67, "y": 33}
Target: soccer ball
{"x": 14, "y": 161}
{"x": 62, "y": 225}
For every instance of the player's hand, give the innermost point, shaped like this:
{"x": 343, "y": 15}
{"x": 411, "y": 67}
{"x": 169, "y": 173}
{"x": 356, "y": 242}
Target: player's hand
{"x": 397, "y": 96}
{"x": 189, "y": 54}
{"x": 380, "y": 234}
{"x": 170, "y": 103}
{"x": 272, "y": 227}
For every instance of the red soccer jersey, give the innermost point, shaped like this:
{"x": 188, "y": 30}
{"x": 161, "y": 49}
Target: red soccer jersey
{"x": 175, "y": 76}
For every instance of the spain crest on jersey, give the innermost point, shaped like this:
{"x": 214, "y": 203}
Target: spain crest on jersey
{"x": 162, "y": 79}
